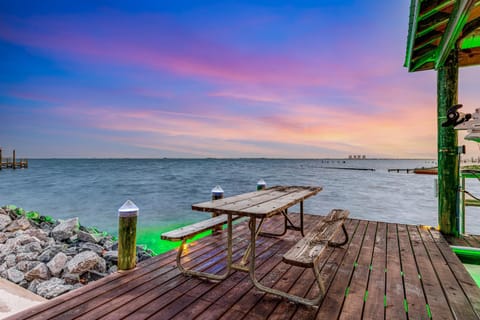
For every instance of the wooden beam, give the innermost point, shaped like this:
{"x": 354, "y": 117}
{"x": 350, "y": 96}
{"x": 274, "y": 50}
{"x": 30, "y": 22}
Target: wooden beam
{"x": 434, "y": 22}
{"x": 469, "y": 57}
{"x": 426, "y": 50}
{"x": 455, "y": 25}
{"x": 425, "y": 62}
{"x": 471, "y": 27}
{"x": 429, "y": 7}
{"x": 431, "y": 37}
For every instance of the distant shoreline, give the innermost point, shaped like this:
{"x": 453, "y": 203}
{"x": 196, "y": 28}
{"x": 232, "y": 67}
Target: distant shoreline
{"x": 253, "y": 158}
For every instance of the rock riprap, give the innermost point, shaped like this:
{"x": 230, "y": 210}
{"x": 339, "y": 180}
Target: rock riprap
{"x": 51, "y": 257}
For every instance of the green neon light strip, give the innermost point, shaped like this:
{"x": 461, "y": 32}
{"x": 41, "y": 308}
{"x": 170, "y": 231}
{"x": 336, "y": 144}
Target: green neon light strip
{"x": 365, "y": 297}
{"x": 428, "y": 311}
{"x": 346, "y": 291}
{"x": 471, "y": 42}
{"x": 405, "y": 305}
{"x": 467, "y": 255}
{"x": 385, "y": 301}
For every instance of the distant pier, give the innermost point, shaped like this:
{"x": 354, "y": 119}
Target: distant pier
{"x": 401, "y": 170}
{"x": 12, "y": 163}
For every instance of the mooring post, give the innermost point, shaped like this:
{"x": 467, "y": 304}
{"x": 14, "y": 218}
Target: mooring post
{"x": 217, "y": 193}
{"x": 127, "y": 234}
{"x": 448, "y": 164}
{"x": 261, "y": 184}
{"x": 14, "y": 164}
{"x": 1, "y": 159}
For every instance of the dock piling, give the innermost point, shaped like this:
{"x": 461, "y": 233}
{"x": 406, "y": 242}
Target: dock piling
{"x": 127, "y": 234}
{"x": 217, "y": 193}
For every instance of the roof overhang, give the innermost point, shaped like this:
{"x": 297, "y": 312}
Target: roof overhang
{"x": 438, "y": 26}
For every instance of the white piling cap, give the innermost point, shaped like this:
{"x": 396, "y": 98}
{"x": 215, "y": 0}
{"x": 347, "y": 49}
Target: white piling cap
{"x": 128, "y": 209}
{"x": 261, "y": 182}
{"x": 217, "y": 189}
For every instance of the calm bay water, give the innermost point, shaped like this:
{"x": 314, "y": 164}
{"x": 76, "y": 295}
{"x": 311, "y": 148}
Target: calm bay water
{"x": 164, "y": 189}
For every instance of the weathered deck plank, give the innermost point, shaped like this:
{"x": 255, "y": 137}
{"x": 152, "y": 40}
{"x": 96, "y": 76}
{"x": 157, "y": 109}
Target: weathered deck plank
{"x": 374, "y": 305}
{"x": 455, "y": 295}
{"x": 357, "y": 292}
{"x": 411, "y": 266}
{"x": 414, "y": 295}
{"x": 394, "y": 295}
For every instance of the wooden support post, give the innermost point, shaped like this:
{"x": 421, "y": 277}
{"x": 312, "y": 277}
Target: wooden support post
{"x": 1, "y": 159}
{"x": 217, "y": 193}
{"x": 448, "y": 164}
{"x": 14, "y": 163}
{"x": 127, "y": 234}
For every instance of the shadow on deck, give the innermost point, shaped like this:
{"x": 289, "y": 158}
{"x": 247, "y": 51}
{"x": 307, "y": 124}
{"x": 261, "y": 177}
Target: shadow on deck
{"x": 386, "y": 271}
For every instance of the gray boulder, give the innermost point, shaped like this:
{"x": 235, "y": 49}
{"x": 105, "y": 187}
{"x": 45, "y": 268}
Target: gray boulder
{"x": 37, "y": 233}
{"x": 26, "y": 266}
{"x": 66, "y": 229}
{"x": 3, "y": 237}
{"x": 33, "y": 285}
{"x": 46, "y": 255}
{"x": 23, "y": 239}
{"x": 89, "y": 237}
{"x": 53, "y": 288}
{"x": 39, "y": 272}
{"x": 30, "y": 247}
{"x": 111, "y": 256}
{"x": 11, "y": 260}
{"x": 71, "y": 278}
{"x": 27, "y": 256}
{"x": 15, "y": 275}
{"x": 19, "y": 224}
{"x": 4, "y": 221}
{"x": 57, "y": 263}
{"x": 88, "y": 246}
{"x": 82, "y": 262}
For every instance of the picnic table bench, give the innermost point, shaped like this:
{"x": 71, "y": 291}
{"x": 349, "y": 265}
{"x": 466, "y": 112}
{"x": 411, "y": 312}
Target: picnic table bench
{"x": 264, "y": 204}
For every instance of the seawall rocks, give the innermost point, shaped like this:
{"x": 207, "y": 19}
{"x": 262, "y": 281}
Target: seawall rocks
{"x": 51, "y": 257}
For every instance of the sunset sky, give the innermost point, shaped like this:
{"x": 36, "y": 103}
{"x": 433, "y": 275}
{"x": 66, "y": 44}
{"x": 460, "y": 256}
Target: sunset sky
{"x": 298, "y": 79}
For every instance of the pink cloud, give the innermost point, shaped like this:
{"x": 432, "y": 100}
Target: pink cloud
{"x": 153, "y": 42}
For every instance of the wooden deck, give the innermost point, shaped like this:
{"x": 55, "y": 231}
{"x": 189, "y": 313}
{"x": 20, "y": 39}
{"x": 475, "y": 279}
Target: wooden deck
{"x": 386, "y": 271}
{"x": 466, "y": 240}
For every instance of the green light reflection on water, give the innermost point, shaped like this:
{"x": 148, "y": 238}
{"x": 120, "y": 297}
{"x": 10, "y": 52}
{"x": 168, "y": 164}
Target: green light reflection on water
{"x": 474, "y": 271}
{"x": 150, "y": 237}
{"x": 471, "y": 261}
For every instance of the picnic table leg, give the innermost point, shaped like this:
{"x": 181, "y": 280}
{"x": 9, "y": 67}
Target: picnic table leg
{"x": 208, "y": 275}
{"x": 252, "y": 226}
{"x": 301, "y": 218}
{"x": 287, "y": 225}
{"x": 309, "y": 302}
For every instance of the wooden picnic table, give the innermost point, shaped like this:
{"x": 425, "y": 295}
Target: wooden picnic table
{"x": 261, "y": 204}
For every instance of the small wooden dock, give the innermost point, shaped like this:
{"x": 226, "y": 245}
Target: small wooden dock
{"x": 386, "y": 271}
{"x": 12, "y": 163}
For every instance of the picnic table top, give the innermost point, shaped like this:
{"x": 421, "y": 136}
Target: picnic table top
{"x": 261, "y": 203}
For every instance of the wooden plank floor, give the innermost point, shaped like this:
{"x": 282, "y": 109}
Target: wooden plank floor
{"x": 386, "y": 271}
{"x": 466, "y": 240}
